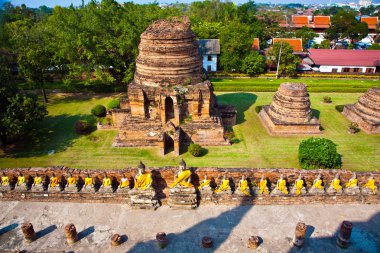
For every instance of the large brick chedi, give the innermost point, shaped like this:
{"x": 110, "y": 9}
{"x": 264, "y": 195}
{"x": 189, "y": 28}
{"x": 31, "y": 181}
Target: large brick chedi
{"x": 170, "y": 101}
{"x": 366, "y": 112}
{"x": 290, "y": 112}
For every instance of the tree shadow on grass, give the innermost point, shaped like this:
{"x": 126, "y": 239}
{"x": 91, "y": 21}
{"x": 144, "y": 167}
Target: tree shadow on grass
{"x": 54, "y": 134}
{"x": 241, "y": 101}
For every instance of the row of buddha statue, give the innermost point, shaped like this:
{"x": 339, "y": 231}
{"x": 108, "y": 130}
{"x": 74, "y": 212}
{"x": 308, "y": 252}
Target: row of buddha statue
{"x": 182, "y": 184}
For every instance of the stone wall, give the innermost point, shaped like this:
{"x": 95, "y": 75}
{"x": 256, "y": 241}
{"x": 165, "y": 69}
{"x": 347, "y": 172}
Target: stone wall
{"x": 162, "y": 177}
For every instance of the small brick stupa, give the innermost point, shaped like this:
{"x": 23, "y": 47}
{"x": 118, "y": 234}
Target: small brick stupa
{"x": 366, "y": 112}
{"x": 289, "y": 112}
{"x": 170, "y": 101}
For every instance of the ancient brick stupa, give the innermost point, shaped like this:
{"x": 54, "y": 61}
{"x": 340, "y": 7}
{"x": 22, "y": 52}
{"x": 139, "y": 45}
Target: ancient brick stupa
{"x": 366, "y": 112}
{"x": 170, "y": 101}
{"x": 289, "y": 112}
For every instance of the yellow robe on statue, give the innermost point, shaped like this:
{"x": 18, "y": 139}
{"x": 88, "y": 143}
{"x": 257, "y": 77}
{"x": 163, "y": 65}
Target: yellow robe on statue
{"x": 53, "y": 181}
{"x": 224, "y": 186}
{"x": 37, "y": 180}
{"x": 20, "y": 180}
{"x": 318, "y": 184}
{"x": 88, "y": 181}
{"x": 299, "y": 186}
{"x": 182, "y": 179}
{"x": 281, "y": 185}
{"x": 371, "y": 185}
{"x": 106, "y": 181}
{"x": 71, "y": 180}
{"x": 124, "y": 183}
{"x": 352, "y": 183}
{"x": 263, "y": 186}
{"x": 143, "y": 181}
{"x": 336, "y": 184}
{"x": 204, "y": 183}
{"x": 5, "y": 180}
{"x": 244, "y": 187}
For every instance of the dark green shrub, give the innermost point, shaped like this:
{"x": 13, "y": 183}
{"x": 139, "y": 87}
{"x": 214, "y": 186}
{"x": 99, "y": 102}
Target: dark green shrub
{"x": 327, "y": 99}
{"x": 339, "y": 108}
{"x": 82, "y": 127}
{"x": 231, "y": 136}
{"x": 99, "y": 111}
{"x": 113, "y": 104}
{"x": 316, "y": 153}
{"x": 195, "y": 149}
{"x": 258, "y": 108}
{"x": 353, "y": 128}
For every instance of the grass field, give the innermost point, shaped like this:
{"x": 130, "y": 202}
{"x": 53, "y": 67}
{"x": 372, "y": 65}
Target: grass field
{"x": 313, "y": 84}
{"x": 360, "y": 152}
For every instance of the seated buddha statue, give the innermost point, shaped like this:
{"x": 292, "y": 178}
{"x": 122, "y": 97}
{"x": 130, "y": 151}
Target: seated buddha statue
{"x": 21, "y": 184}
{"x": 54, "y": 182}
{"x": 88, "y": 183}
{"x": 124, "y": 184}
{"x": 299, "y": 186}
{"x": 243, "y": 187}
{"x": 106, "y": 184}
{"x": 204, "y": 186}
{"x": 143, "y": 179}
{"x": 280, "y": 188}
{"x": 5, "y": 186}
{"x": 71, "y": 185}
{"x": 352, "y": 187}
{"x": 335, "y": 187}
{"x": 37, "y": 183}
{"x": 224, "y": 186}
{"x": 263, "y": 185}
{"x": 370, "y": 186}
{"x": 182, "y": 180}
{"x": 317, "y": 187}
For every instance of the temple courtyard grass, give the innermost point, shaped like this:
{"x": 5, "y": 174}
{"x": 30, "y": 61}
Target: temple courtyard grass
{"x": 54, "y": 141}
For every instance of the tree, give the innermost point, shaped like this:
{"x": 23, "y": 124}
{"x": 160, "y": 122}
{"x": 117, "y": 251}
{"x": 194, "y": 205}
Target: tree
{"x": 288, "y": 61}
{"x": 325, "y": 44}
{"x": 253, "y": 64}
{"x": 318, "y": 153}
{"x": 306, "y": 34}
{"x": 344, "y": 24}
{"x": 17, "y": 111}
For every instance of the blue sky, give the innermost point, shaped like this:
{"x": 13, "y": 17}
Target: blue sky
{"x": 52, "y": 3}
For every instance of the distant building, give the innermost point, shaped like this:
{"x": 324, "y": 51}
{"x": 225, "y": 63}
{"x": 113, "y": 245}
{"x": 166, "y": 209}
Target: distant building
{"x": 345, "y": 61}
{"x": 256, "y": 44}
{"x": 209, "y": 50}
{"x": 373, "y": 24}
{"x": 296, "y": 43}
{"x": 318, "y": 23}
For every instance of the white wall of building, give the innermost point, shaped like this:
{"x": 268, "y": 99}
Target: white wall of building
{"x": 329, "y": 69}
{"x": 210, "y": 64}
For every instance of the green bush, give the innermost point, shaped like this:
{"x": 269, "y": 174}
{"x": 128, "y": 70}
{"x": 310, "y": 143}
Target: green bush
{"x": 231, "y": 136}
{"x": 82, "y": 127}
{"x": 113, "y": 104}
{"x": 318, "y": 153}
{"x": 195, "y": 149}
{"x": 99, "y": 111}
{"x": 327, "y": 99}
{"x": 258, "y": 108}
{"x": 339, "y": 108}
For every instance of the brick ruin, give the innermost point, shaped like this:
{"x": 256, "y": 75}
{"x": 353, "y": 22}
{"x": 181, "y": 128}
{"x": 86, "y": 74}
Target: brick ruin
{"x": 163, "y": 177}
{"x": 366, "y": 112}
{"x": 290, "y": 112}
{"x": 170, "y": 102}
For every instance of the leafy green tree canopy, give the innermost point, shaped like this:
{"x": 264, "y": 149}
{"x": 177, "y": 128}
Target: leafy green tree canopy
{"x": 254, "y": 64}
{"x": 288, "y": 61}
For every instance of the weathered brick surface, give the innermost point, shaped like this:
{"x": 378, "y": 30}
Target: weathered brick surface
{"x": 162, "y": 177}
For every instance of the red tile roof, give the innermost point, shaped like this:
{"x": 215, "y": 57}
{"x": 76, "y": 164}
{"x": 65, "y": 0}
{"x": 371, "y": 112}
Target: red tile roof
{"x": 345, "y": 57}
{"x": 300, "y": 20}
{"x": 256, "y": 44}
{"x": 371, "y": 21}
{"x": 295, "y": 43}
{"x": 322, "y": 20}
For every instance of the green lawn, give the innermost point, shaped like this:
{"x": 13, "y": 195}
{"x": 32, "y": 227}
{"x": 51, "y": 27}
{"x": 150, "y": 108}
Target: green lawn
{"x": 313, "y": 84}
{"x": 361, "y": 152}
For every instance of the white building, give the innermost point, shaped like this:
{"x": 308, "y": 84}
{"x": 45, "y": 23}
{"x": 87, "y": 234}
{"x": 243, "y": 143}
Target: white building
{"x": 345, "y": 60}
{"x": 209, "y": 50}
